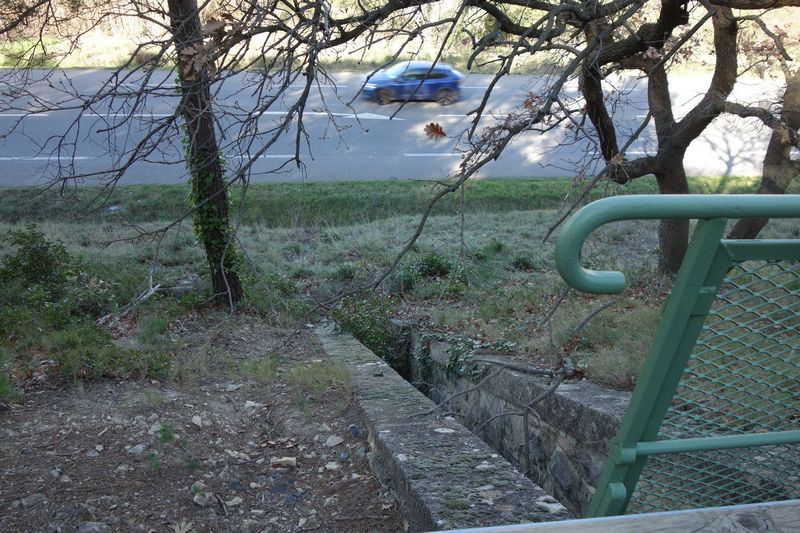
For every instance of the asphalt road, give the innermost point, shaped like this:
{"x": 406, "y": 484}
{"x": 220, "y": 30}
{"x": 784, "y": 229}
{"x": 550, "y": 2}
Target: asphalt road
{"x": 365, "y": 141}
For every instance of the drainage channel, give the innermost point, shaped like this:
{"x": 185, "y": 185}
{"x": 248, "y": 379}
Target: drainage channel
{"x": 489, "y": 463}
{"x": 443, "y": 475}
{"x": 561, "y": 442}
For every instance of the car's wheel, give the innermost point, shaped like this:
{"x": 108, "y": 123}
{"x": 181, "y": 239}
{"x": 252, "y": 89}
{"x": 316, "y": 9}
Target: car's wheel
{"x": 446, "y": 97}
{"x": 384, "y": 96}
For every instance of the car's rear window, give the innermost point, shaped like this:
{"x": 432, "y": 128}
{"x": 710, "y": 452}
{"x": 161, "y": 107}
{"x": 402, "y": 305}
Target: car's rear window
{"x": 397, "y": 70}
{"x": 404, "y": 69}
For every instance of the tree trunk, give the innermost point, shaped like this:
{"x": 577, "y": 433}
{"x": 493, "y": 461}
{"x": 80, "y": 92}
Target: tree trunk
{"x": 779, "y": 170}
{"x": 673, "y": 233}
{"x": 209, "y": 192}
{"x": 675, "y": 137}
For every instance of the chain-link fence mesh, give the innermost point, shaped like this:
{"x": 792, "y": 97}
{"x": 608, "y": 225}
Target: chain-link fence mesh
{"x": 743, "y": 377}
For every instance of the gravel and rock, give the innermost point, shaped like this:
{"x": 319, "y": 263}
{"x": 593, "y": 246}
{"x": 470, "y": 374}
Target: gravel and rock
{"x": 221, "y": 453}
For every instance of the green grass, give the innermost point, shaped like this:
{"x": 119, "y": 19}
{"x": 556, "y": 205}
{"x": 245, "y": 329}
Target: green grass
{"x": 319, "y": 204}
{"x": 307, "y": 243}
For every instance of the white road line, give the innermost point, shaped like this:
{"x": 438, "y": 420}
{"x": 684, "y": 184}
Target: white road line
{"x": 150, "y": 86}
{"x": 135, "y": 115}
{"x": 432, "y": 154}
{"x": 266, "y": 156}
{"x": 26, "y": 115}
{"x": 45, "y": 158}
{"x": 477, "y": 87}
{"x": 320, "y": 86}
{"x": 360, "y": 116}
{"x": 485, "y": 115}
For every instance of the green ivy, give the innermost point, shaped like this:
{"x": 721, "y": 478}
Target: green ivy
{"x": 369, "y": 321}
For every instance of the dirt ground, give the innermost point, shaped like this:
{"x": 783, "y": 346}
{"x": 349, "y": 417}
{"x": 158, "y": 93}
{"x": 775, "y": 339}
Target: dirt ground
{"x": 220, "y": 450}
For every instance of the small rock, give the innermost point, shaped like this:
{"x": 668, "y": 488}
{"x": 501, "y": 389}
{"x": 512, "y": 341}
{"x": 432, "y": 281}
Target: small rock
{"x": 65, "y": 479}
{"x": 402, "y": 457}
{"x": 252, "y": 406}
{"x": 138, "y": 449}
{"x": 233, "y": 387}
{"x": 197, "y": 421}
{"x": 444, "y": 430}
{"x": 249, "y": 525}
{"x": 233, "y": 502}
{"x": 286, "y": 462}
{"x": 155, "y": 428}
{"x": 332, "y": 465}
{"x": 99, "y": 448}
{"x": 92, "y": 454}
{"x": 344, "y": 457}
{"x": 94, "y": 527}
{"x": 354, "y": 430}
{"x": 550, "y": 505}
{"x": 484, "y": 466}
{"x": 361, "y": 452}
{"x": 324, "y": 427}
{"x": 202, "y": 499}
{"x": 33, "y": 500}
{"x": 56, "y": 472}
{"x": 333, "y": 440}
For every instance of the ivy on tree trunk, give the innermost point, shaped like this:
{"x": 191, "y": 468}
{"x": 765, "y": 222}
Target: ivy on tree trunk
{"x": 209, "y": 192}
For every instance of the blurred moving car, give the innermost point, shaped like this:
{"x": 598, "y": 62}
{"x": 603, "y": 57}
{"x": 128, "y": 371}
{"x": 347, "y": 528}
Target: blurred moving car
{"x": 415, "y": 80}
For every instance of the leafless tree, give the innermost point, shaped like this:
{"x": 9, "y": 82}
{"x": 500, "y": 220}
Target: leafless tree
{"x": 264, "y": 48}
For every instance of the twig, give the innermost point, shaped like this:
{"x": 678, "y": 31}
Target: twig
{"x": 593, "y": 314}
{"x": 461, "y": 393}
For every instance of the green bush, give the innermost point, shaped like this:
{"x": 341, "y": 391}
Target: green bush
{"x": 489, "y": 250}
{"x": 431, "y": 265}
{"x": 83, "y": 351}
{"x": 37, "y": 261}
{"x": 525, "y": 264}
{"x": 369, "y": 321}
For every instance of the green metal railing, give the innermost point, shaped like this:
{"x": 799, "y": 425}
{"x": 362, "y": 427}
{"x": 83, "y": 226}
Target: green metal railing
{"x": 715, "y": 415}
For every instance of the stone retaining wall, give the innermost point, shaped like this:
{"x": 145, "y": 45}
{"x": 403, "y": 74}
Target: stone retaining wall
{"x": 562, "y": 447}
{"x": 443, "y": 475}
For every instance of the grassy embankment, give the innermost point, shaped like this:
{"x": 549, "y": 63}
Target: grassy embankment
{"x": 305, "y": 244}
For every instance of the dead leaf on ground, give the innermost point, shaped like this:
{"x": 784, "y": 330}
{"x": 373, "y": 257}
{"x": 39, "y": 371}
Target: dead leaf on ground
{"x": 434, "y": 131}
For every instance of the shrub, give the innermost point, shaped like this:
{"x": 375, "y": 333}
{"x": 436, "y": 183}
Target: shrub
{"x": 431, "y": 265}
{"x": 37, "y": 261}
{"x": 275, "y": 297}
{"x": 345, "y": 272}
{"x": 369, "y": 321}
{"x": 491, "y": 249}
{"x": 524, "y": 263}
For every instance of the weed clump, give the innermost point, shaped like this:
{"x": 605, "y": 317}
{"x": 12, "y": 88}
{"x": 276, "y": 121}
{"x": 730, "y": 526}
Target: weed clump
{"x": 369, "y": 321}
{"x": 48, "y": 321}
{"x": 428, "y": 266}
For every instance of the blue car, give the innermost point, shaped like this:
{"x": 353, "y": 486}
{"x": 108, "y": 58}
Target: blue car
{"x": 414, "y": 80}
